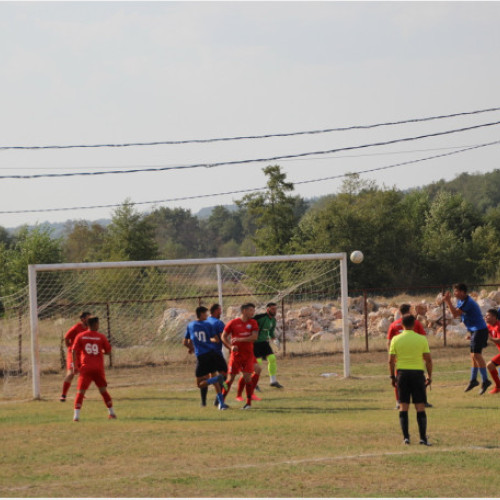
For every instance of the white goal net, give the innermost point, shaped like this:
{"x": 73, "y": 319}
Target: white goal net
{"x": 144, "y": 307}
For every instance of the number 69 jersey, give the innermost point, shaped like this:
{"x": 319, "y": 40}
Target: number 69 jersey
{"x": 89, "y": 348}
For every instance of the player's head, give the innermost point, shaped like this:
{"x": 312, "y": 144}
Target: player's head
{"x": 491, "y": 316}
{"x": 248, "y": 310}
{"x": 84, "y": 316}
{"x": 93, "y": 323}
{"x": 272, "y": 309}
{"x": 202, "y": 313}
{"x": 460, "y": 290}
{"x": 408, "y": 321}
{"x": 404, "y": 309}
{"x": 216, "y": 310}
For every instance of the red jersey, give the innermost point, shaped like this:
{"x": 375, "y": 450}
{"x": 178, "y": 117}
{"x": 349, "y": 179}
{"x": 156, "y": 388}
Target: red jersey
{"x": 239, "y": 329}
{"x": 495, "y": 331}
{"x": 73, "y": 332}
{"x": 89, "y": 348}
{"x": 397, "y": 327}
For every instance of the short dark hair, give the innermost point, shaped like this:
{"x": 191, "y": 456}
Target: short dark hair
{"x": 271, "y": 304}
{"x": 85, "y": 314}
{"x": 214, "y": 308}
{"x": 93, "y": 322}
{"x": 200, "y": 310}
{"x": 460, "y": 286}
{"x": 404, "y": 308}
{"x": 493, "y": 312}
{"x": 408, "y": 321}
{"x": 247, "y": 306}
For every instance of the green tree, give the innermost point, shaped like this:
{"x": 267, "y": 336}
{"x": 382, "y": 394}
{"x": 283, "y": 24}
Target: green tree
{"x": 274, "y": 213}
{"x": 83, "y": 241}
{"x": 130, "y": 236}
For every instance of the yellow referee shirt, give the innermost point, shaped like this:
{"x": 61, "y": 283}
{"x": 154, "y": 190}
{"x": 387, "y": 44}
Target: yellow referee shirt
{"x": 409, "y": 348}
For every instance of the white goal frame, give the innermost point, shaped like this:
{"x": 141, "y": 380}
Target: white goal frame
{"x": 34, "y": 269}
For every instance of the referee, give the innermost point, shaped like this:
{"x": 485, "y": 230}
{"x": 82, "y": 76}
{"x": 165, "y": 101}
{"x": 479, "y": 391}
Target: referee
{"x": 409, "y": 354}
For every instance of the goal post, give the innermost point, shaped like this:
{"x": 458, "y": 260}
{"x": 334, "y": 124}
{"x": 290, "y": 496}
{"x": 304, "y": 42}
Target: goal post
{"x": 148, "y": 303}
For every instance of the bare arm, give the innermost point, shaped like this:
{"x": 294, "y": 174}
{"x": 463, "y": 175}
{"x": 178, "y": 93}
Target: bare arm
{"x": 428, "y": 366}
{"x": 225, "y": 341}
{"x": 392, "y": 368}
{"x": 454, "y": 311}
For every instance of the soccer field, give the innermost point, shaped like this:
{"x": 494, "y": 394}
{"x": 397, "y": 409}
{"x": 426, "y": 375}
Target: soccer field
{"x": 322, "y": 436}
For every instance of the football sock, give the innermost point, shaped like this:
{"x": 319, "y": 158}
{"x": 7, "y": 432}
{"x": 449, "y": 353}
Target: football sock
{"x": 249, "y": 390}
{"x": 213, "y": 380}
{"x": 484, "y": 373}
{"x": 65, "y": 388}
{"x": 473, "y": 372}
{"x": 111, "y": 411}
{"x": 203, "y": 393}
{"x": 494, "y": 376}
{"x": 241, "y": 385}
{"x": 403, "y": 421}
{"x": 78, "y": 400}
{"x": 220, "y": 398}
{"x": 422, "y": 424}
{"x": 255, "y": 381}
{"x": 272, "y": 367}
{"x": 107, "y": 399}
{"x": 229, "y": 384}
{"x": 76, "y": 416}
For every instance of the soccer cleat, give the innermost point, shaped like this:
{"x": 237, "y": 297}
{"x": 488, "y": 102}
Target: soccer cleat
{"x": 495, "y": 390}
{"x": 62, "y": 399}
{"x": 277, "y": 385}
{"x": 203, "y": 403}
{"x": 239, "y": 398}
{"x": 472, "y": 384}
{"x": 76, "y": 419}
{"x": 255, "y": 398}
{"x": 428, "y": 405}
{"x": 406, "y": 441}
{"x": 424, "y": 442}
{"x": 223, "y": 406}
{"x": 247, "y": 407}
{"x": 257, "y": 388}
{"x": 112, "y": 416}
{"x": 484, "y": 386}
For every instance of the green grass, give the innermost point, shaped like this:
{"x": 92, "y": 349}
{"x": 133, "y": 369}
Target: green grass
{"x": 319, "y": 437}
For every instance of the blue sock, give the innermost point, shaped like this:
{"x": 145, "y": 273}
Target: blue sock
{"x": 220, "y": 398}
{"x": 473, "y": 372}
{"x": 484, "y": 374}
{"x": 213, "y": 380}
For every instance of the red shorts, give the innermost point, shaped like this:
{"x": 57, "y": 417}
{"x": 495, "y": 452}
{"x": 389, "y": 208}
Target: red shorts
{"x": 87, "y": 376}
{"x": 496, "y": 359}
{"x": 240, "y": 363}
{"x": 69, "y": 360}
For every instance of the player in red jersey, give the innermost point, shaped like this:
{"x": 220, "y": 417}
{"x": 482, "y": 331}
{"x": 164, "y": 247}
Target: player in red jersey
{"x": 88, "y": 356}
{"x": 493, "y": 325}
{"x": 243, "y": 332}
{"x": 395, "y": 328}
{"x": 69, "y": 338}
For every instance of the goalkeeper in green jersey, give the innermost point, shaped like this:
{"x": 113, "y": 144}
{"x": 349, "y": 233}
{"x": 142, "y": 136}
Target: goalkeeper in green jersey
{"x": 261, "y": 347}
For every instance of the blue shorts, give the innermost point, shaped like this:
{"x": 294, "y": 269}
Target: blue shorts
{"x": 478, "y": 340}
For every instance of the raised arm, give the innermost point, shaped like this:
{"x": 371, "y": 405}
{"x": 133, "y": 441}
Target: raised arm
{"x": 454, "y": 311}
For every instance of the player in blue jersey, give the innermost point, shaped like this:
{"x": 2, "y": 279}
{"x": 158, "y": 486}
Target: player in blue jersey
{"x": 201, "y": 338}
{"x": 218, "y": 325}
{"x": 472, "y": 317}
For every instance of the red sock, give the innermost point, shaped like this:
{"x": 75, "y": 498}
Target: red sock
{"x": 66, "y": 386}
{"x": 78, "y": 400}
{"x": 494, "y": 376}
{"x": 229, "y": 384}
{"x": 249, "y": 391}
{"x": 255, "y": 381}
{"x": 241, "y": 385}
{"x": 107, "y": 399}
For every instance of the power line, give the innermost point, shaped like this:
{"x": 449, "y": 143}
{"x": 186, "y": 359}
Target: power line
{"x": 241, "y": 191}
{"x": 255, "y": 160}
{"x": 264, "y": 136}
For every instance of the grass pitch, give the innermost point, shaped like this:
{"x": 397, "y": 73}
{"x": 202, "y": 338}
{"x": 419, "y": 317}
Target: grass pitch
{"x": 322, "y": 436}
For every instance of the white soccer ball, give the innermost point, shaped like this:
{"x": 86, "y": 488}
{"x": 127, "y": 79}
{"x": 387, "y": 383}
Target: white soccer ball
{"x": 357, "y": 257}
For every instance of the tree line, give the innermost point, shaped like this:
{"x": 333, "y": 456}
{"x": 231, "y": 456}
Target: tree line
{"x": 440, "y": 233}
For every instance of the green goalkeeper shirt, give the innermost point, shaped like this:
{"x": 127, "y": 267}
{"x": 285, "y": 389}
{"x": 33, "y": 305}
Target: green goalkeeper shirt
{"x": 267, "y": 324}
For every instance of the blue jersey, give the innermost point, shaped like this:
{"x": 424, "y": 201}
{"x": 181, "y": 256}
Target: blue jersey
{"x": 218, "y": 327}
{"x": 200, "y": 333}
{"x": 472, "y": 317}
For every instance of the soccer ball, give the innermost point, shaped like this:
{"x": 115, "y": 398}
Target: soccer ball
{"x": 357, "y": 257}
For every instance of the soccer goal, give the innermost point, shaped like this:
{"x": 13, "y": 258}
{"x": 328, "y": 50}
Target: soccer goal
{"x": 144, "y": 306}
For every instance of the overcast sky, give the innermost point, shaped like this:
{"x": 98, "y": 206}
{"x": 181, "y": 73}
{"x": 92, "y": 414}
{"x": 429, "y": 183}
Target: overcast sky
{"x": 85, "y": 73}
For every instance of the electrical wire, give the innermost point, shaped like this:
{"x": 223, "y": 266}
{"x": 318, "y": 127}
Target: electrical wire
{"x": 241, "y": 191}
{"x": 264, "y": 136}
{"x": 255, "y": 160}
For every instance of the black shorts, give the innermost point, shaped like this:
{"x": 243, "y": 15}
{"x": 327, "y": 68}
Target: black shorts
{"x": 411, "y": 384}
{"x": 262, "y": 349}
{"x": 478, "y": 340}
{"x": 210, "y": 362}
